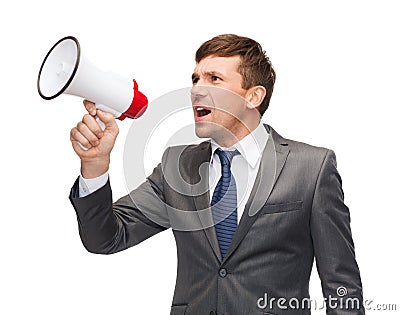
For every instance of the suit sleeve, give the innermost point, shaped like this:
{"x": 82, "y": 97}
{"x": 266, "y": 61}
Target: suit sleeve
{"x": 333, "y": 243}
{"x": 107, "y": 228}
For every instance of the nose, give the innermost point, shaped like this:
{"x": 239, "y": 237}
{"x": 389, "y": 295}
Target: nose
{"x": 198, "y": 92}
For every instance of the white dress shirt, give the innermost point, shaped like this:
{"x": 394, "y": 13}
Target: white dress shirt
{"x": 244, "y": 167}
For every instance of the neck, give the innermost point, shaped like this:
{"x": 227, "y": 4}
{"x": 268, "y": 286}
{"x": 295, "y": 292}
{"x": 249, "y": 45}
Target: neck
{"x": 227, "y": 138}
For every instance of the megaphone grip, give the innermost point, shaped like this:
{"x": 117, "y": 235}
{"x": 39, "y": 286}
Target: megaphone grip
{"x": 101, "y": 124}
{"x": 138, "y": 105}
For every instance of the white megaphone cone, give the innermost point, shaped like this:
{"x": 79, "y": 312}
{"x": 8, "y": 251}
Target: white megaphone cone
{"x": 65, "y": 70}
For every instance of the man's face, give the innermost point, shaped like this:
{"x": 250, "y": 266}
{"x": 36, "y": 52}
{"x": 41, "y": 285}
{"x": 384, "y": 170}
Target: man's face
{"x": 218, "y": 97}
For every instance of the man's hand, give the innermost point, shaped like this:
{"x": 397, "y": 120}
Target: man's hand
{"x": 99, "y": 143}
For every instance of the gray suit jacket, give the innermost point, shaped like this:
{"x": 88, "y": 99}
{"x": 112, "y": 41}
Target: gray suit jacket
{"x": 292, "y": 216}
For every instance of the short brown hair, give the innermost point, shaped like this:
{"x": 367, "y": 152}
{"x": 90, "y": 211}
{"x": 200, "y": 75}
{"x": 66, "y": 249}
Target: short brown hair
{"x": 255, "y": 67}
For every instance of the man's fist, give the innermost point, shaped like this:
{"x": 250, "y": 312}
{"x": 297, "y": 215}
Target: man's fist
{"x": 97, "y": 143}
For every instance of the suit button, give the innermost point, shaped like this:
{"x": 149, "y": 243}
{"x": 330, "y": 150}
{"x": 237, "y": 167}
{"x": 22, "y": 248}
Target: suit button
{"x": 222, "y": 272}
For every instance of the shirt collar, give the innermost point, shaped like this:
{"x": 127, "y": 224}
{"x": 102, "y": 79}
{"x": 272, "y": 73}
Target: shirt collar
{"x": 250, "y": 147}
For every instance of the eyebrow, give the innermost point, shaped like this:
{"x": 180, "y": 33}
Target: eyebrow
{"x": 208, "y": 73}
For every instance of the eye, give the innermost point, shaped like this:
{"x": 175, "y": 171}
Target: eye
{"x": 195, "y": 80}
{"x": 215, "y": 78}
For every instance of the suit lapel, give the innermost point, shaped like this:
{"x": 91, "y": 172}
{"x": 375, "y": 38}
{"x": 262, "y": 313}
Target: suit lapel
{"x": 272, "y": 161}
{"x": 200, "y": 192}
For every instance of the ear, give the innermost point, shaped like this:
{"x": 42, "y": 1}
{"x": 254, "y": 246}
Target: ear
{"x": 255, "y": 96}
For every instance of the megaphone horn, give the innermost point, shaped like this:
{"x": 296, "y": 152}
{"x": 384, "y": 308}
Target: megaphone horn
{"x": 65, "y": 70}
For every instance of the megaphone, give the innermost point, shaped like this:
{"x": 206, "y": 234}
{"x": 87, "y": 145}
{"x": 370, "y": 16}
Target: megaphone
{"x": 65, "y": 70}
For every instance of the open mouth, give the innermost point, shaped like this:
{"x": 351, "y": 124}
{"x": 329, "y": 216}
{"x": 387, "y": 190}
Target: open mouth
{"x": 201, "y": 111}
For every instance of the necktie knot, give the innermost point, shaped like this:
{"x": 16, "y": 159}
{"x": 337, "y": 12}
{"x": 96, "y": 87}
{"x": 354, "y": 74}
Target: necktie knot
{"x": 226, "y": 156}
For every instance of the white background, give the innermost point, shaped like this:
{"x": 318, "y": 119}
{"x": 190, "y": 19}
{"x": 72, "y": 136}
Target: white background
{"x": 337, "y": 67}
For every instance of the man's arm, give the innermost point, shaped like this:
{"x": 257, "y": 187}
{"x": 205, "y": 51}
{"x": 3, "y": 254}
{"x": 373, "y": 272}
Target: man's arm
{"x": 106, "y": 228}
{"x": 333, "y": 243}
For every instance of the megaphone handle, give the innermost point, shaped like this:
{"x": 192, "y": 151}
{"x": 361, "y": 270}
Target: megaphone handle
{"x": 102, "y": 125}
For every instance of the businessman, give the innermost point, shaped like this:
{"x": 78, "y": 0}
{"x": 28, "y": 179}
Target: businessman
{"x": 249, "y": 209}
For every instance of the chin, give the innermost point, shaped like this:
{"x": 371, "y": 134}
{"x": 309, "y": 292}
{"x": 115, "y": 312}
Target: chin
{"x": 203, "y": 130}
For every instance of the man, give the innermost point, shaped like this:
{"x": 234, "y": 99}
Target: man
{"x": 249, "y": 224}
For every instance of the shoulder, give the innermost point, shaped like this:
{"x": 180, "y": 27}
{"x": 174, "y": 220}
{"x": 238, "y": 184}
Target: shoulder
{"x": 187, "y": 149}
{"x": 300, "y": 150}
{"x": 299, "y": 147}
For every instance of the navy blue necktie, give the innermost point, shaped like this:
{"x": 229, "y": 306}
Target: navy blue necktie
{"x": 224, "y": 202}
